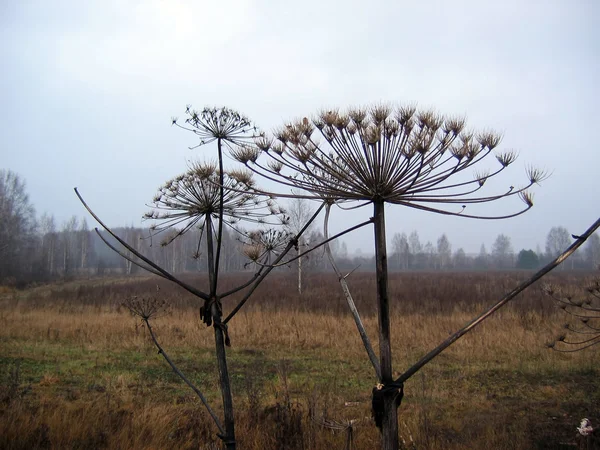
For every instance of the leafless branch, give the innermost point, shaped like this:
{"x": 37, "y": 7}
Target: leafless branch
{"x": 127, "y": 257}
{"x": 184, "y": 378}
{"x": 164, "y": 273}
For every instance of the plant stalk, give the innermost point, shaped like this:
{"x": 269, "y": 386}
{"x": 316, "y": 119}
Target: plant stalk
{"x": 389, "y": 429}
{"x": 184, "y": 378}
{"x": 218, "y": 326}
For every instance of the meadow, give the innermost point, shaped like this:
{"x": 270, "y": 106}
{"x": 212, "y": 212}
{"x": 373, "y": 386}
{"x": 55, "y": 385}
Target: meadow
{"x": 78, "y": 371}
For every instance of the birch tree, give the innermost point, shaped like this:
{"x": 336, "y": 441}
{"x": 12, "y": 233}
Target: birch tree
{"x": 17, "y": 225}
{"x": 444, "y": 251}
{"x": 299, "y": 212}
{"x": 401, "y": 250}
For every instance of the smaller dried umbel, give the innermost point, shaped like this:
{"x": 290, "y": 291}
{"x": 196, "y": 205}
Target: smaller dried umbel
{"x": 262, "y": 245}
{"x": 218, "y": 124}
{"x": 189, "y": 199}
{"x": 146, "y": 307}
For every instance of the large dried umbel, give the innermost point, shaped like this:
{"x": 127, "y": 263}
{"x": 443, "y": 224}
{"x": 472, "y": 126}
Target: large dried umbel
{"x": 583, "y": 306}
{"x": 188, "y": 199}
{"x": 401, "y": 156}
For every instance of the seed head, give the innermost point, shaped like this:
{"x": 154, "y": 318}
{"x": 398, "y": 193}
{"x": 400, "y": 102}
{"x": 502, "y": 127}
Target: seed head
{"x": 507, "y": 158}
{"x": 264, "y": 243}
{"x": 536, "y": 175}
{"x": 527, "y": 198}
{"x": 188, "y": 200}
{"x": 147, "y": 307}
{"x": 222, "y": 124}
{"x": 252, "y": 251}
{"x": 245, "y": 153}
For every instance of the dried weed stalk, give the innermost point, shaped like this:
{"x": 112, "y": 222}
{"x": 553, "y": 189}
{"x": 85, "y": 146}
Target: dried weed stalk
{"x": 383, "y": 155}
{"x": 208, "y": 198}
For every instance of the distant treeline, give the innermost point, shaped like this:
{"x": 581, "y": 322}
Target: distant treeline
{"x": 36, "y": 249}
{"x": 74, "y": 250}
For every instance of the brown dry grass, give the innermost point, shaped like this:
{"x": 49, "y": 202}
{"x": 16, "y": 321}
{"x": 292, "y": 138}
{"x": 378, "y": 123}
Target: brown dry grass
{"x": 79, "y": 372}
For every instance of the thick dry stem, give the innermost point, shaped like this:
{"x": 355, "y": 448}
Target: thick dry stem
{"x": 229, "y": 438}
{"x": 213, "y": 284}
{"x": 389, "y": 429}
{"x": 299, "y": 272}
{"x": 216, "y": 315}
{"x": 210, "y": 258}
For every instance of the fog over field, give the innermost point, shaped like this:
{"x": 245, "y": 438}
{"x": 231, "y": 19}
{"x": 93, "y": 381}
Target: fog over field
{"x": 88, "y": 90}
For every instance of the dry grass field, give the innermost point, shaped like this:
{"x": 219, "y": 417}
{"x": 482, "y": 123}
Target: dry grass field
{"x": 77, "y": 371}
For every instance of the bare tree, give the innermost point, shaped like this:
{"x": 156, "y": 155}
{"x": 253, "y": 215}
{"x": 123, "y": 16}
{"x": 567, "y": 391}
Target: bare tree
{"x": 483, "y": 259}
{"x": 84, "y": 244}
{"x": 68, "y": 242}
{"x": 401, "y": 250}
{"x": 429, "y": 253}
{"x": 415, "y": 248}
{"x": 558, "y": 238}
{"x": 17, "y": 225}
{"x": 444, "y": 251}
{"x": 49, "y": 241}
{"x": 133, "y": 237}
{"x": 460, "y": 259}
{"x": 502, "y": 252}
{"x": 394, "y": 156}
{"x": 299, "y": 212}
{"x": 592, "y": 251}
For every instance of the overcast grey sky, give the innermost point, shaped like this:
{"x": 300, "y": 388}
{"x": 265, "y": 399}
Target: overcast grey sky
{"x": 88, "y": 90}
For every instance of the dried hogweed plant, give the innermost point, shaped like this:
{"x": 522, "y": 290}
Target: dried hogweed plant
{"x": 384, "y": 155}
{"x": 583, "y": 306}
{"x": 207, "y": 197}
